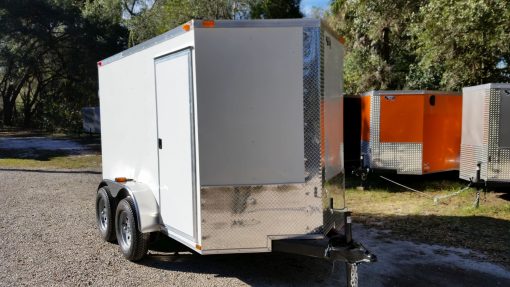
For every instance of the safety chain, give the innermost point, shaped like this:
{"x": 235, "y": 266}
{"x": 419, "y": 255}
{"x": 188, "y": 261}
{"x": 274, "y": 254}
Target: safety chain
{"x": 439, "y": 197}
{"x": 354, "y": 275}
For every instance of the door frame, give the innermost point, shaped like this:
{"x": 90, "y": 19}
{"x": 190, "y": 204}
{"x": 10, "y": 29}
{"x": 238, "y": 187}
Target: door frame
{"x": 167, "y": 56}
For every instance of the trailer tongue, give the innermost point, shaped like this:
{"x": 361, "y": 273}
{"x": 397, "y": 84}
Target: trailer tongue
{"x": 227, "y": 136}
{"x": 336, "y": 247}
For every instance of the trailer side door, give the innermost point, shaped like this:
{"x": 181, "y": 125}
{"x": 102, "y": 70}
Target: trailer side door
{"x": 176, "y": 143}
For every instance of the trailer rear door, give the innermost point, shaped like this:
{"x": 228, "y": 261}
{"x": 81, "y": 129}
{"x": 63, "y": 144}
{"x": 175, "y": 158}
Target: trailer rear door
{"x": 177, "y": 181}
{"x": 504, "y": 119}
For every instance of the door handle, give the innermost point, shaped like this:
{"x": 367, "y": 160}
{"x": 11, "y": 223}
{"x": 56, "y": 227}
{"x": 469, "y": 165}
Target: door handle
{"x": 160, "y": 143}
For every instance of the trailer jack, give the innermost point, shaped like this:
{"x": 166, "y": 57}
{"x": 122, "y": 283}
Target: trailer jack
{"x": 480, "y": 184}
{"x": 361, "y": 172}
{"x": 337, "y": 248}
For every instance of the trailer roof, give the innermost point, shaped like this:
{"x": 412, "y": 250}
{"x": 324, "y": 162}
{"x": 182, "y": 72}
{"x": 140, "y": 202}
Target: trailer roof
{"x": 488, "y": 86}
{"x": 408, "y": 92}
{"x": 181, "y": 29}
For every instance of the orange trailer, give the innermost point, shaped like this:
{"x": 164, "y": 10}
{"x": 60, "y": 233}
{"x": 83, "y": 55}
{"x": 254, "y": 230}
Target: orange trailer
{"x": 411, "y": 132}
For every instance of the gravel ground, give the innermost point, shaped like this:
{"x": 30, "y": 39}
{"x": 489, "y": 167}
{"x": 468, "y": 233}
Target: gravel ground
{"x": 48, "y": 237}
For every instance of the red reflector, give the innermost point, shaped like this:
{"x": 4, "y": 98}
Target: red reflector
{"x": 100, "y": 63}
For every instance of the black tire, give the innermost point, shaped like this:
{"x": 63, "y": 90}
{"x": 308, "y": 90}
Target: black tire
{"x": 104, "y": 214}
{"x": 133, "y": 244}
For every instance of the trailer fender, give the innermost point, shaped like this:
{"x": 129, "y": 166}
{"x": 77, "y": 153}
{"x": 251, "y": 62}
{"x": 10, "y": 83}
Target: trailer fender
{"x": 146, "y": 206}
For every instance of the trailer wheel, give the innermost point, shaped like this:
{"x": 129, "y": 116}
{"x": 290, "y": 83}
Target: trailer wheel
{"x": 104, "y": 215}
{"x": 132, "y": 242}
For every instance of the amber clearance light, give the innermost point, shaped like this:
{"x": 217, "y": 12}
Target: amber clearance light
{"x": 121, "y": 179}
{"x": 208, "y": 24}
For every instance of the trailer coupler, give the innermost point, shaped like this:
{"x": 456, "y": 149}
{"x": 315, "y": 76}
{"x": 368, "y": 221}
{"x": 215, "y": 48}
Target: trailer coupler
{"x": 335, "y": 248}
{"x": 351, "y": 253}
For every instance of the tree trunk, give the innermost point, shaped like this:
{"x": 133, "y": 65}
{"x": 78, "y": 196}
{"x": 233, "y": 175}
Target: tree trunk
{"x": 8, "y": 111}
{"x": 27, "y": 120}
{"x": 9, "y": 97}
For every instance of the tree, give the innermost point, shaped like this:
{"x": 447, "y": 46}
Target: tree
{"x": 165, "y": 15}
{"x": 379, "y": 50}
{"x": 275, "y": 9}
{"x": 437, "y": 44}
{"x": 48, "y": 55}
{"x": 462, "y": 43}
{"x": 21, "y": 50}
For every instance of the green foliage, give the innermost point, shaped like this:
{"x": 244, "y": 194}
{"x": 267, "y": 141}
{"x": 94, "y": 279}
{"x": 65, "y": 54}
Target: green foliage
{"x": 275, "y": 9}
{"x": 437, "y": 44}
{"x": 165, "y": 15}
{"x": 57, "y": 162}
{"x": 107, "y": 11}
{"x": 461, "y": 43}
{"x": 48, "y": 55}
{"x": 378, "y": 39}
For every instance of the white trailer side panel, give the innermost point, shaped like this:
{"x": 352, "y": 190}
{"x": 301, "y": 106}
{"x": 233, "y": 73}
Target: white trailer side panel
{"x": 333, "y": 106}
{"x": 250, "y": 105}
{"x": 128, "y": 116}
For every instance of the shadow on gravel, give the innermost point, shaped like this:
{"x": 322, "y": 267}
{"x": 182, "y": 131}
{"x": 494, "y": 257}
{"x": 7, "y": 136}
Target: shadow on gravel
{"x": 44, "y": 148}
{"x": 278, "y": 269}
{"x": 482, "y": 233}
{"x": 255, "y": 269}
{"x": 52, "y": 171}
{"x": 399, "y": 264}
{"x": 35, "y": 154}
{"x": 258, "y": 269}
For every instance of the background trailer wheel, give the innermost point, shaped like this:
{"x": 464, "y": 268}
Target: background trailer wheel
{"x": 132, "y": 242}
{"x": 104, "y": 214}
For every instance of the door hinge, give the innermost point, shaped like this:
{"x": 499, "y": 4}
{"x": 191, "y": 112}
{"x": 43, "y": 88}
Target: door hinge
{"x": 160, "y": 143}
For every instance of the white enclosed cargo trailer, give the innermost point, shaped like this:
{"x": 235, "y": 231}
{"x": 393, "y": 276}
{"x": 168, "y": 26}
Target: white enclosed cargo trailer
{"x": 485, "y": 147}
{"x": 222, "y": 135}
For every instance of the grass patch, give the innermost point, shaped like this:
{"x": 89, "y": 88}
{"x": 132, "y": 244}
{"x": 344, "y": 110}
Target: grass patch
{"x": 453, "y": 222}
{"x": 92, "y": 161}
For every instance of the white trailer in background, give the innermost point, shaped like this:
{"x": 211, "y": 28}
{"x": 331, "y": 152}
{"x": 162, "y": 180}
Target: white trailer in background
{"x": 222, "y": 135}
{"x": 91, "y": 120}
{"x": 485, "y": 144}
